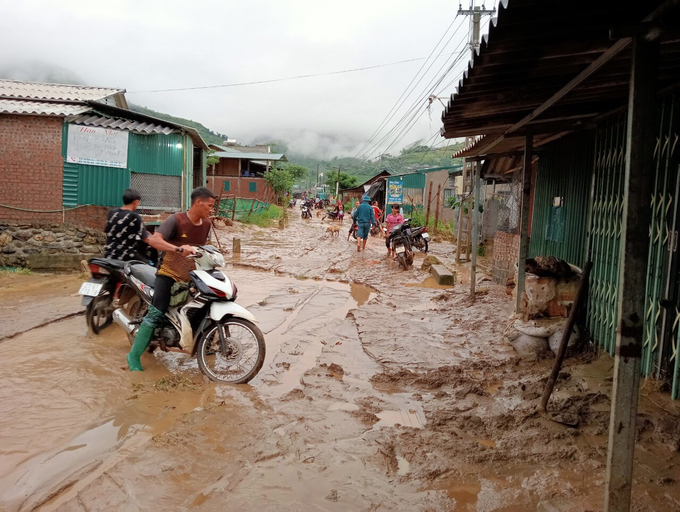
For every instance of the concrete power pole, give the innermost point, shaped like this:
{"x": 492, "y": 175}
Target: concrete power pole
{"x": 471, "y": 170}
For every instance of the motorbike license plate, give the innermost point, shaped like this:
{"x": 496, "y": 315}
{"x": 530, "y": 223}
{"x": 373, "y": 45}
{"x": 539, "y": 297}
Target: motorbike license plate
{"x": 400, "y": 249}
{"x": 90, "y": 289}
{"x": 426, "y": 236}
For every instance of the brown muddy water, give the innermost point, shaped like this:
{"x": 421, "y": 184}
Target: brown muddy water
{"x": 380, "y": 391}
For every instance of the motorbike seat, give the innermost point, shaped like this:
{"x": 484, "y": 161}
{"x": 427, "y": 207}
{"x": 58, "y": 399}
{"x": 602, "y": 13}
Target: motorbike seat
{"x": 145, "y": 273}
{"x": 108, "y": 263}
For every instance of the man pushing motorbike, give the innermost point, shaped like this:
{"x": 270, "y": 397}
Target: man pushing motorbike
{"x": 177, "y": 236}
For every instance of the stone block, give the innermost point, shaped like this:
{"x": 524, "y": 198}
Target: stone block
{"x": 442, "y": 275}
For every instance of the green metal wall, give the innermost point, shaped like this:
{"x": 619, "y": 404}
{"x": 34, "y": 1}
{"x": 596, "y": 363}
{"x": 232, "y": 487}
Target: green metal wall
{"x": 564, "y": 171}
{"x": 157, "y": 154}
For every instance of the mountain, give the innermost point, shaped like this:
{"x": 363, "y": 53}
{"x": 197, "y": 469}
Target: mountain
{"x": 208, "y": 135}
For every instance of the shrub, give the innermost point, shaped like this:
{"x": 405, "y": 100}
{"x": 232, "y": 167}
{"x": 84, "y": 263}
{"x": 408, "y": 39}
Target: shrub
{"x": 264, "y": 218}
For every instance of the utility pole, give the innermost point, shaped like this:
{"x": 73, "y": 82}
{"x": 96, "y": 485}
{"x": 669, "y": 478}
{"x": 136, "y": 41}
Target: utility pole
{"x": 469, "y": 176}
{"x": 475, "y": 14}
{"x": 337, "y": 184}
{"x": 317, "y": 175}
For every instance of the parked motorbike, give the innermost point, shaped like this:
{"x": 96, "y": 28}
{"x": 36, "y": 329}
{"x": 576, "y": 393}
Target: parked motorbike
{"x": 420, "y": 238}
{"x": 222, "y": 335}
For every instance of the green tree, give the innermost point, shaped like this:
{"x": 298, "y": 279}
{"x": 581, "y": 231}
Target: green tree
{"x": 297, "y": 172}
{"x": 346, "y": 181}
{"x": 212, "y": 159}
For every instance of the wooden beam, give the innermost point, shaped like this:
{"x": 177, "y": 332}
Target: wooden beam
{"x": 617, "y": 47}
{"x": 632, "y": 274}
{"x": 524, "y": 220}
{"x": 475, "y": 217}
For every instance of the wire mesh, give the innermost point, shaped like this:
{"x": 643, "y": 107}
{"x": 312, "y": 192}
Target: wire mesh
{"x": 158, "y": 192}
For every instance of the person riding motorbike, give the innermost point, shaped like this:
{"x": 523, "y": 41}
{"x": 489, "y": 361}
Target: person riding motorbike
{"x": 125, "y": 230}
{"x": 177, "y": 236}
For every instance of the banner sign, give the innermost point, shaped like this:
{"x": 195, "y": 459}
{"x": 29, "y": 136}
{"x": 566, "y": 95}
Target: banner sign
{"x": 395, "y": 191}
{"x": 92, "y": 145}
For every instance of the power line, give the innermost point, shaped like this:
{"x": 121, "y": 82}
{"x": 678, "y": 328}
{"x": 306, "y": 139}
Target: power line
{"x": 397, "y": 104}
{"x": 298, "y": 77}
{"x": 392, "y": 113}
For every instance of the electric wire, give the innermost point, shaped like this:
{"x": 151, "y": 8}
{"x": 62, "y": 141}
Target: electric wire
{"x": 405, "y": 118}
{"x": 397, "y": 104}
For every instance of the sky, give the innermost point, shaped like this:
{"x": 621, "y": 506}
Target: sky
{"x": 146, "y": 45}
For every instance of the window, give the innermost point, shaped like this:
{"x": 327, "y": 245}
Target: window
{"x": 227, "y": 185}
{"x": 252, "y": 186}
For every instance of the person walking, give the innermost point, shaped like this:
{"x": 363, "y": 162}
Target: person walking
{"x": 365, "y": 218}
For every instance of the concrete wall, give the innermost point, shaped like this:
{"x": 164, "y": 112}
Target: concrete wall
{"x": 31, "y": 167}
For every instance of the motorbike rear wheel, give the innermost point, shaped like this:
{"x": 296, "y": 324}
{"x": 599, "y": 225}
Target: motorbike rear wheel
{"x": 244, "y": 348}
{"x": 135, "y": 309}
{"x": 99, "y": 313}
{"x": 422, "y": 245}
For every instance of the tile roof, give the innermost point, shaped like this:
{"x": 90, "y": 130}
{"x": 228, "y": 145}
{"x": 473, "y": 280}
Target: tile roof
{"x": 56, "y": 92}
{"x": 41, "y": 108}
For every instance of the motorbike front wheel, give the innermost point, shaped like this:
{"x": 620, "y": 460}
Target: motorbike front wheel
{"x": 235, "y": 356}
{"x": 99, "y": 313}
{"x": 401, "y": 257}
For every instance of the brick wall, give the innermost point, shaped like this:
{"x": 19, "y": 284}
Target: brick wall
{"x": 91, "y": 216}
{"x": 239, "y": 187}
{"x": 505, "y": 255}
{"x": 31, "y": 167}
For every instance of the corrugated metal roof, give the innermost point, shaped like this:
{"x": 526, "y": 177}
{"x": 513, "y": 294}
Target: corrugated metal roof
{"x": 275, "y": 157}
{"x": 533, "y": 50}
{"x": 41, "y": 108}
{"x": 225, "y": 149}
{"x": 60, "y": 92}
{"x": 121, "y": 124}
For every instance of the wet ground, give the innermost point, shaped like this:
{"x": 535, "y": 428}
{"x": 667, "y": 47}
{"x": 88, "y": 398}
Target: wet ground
{"x": 380, "y": 391}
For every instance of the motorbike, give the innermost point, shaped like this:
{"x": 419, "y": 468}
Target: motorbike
{"x": 210, "y": 326}
{"x": 420, "y": 238}
{"x": 402, "y": 244}
{"x": 291, "y": 203}
{"x": 331, "y": 214}
{"x": 306, "y": 212}
{"x": 102, "y": 292}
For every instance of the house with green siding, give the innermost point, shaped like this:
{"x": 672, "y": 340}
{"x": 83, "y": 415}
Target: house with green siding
{"x": 68, "y": 152}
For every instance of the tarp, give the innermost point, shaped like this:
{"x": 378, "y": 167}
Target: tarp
{"x": 375, "y": 189}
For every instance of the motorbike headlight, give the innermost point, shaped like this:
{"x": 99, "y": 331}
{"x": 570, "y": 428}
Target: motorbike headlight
{"x": 217, "y": 259}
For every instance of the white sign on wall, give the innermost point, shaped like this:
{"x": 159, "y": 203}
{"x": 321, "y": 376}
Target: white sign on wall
{"x": 92, "y": 145}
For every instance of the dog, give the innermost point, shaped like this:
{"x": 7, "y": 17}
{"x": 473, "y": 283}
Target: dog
{"x": 333, "y": 230}
{"x": 319, "y": 213}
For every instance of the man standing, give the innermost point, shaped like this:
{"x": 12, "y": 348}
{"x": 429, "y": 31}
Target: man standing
{"x": 177, "y": 236}
{"x": 125, "y": 229}
{"x": 365, "y": 218}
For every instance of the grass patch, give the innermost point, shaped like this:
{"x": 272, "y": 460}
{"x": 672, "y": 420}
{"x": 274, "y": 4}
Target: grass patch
{"x": 264, "y": 218}
{"x": 4, "y": 271}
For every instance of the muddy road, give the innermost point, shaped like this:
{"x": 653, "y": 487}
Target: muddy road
{"x": 380, "y": 391}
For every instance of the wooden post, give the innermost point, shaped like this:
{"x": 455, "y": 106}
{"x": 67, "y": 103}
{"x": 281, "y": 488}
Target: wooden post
{"x": 233, "y": 211}
{"x": 474, "y": 217}
{"x": 436, "y": 207}
{"x": 524, "y": 223}
{"x": 251, "y": 208}
{"x": 236, "y": 246}
{"x": 640, "y": 141}
{"x": 427, "y": 210}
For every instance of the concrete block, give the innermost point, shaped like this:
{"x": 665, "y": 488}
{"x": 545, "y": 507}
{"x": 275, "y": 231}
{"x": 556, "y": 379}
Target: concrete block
{"x": 442, "y": 275}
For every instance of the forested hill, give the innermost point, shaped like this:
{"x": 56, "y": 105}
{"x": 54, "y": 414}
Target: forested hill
{"x": 409, "y": 159}
{"x": 207, "y": 134}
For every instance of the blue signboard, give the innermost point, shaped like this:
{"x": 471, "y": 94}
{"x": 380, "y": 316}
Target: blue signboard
{"x": 395, "y": 191}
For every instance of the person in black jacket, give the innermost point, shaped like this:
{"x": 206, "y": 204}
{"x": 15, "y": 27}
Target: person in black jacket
{"x": 125, "y": 229}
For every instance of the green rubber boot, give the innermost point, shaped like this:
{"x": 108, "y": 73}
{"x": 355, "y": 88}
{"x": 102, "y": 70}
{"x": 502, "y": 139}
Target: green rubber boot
{"x": 152, "y": 319}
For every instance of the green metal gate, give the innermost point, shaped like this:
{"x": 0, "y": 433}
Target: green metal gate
{"x": 605, "y": 231}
